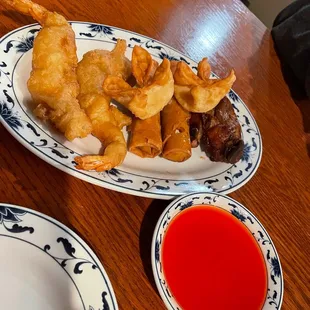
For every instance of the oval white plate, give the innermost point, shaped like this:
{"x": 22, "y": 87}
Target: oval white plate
{"x": 274, "y": 271}
{"x": 157, "y": 178}
{"x": 45, "y": 265}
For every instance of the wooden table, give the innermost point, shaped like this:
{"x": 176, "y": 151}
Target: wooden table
{"x": 119, "y": 227}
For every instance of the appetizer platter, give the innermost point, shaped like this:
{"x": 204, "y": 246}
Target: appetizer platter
{"x": 123, "y": 111}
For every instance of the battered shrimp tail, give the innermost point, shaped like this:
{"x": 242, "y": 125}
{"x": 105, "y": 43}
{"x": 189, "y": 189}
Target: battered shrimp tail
{"x": 28, "y": 7}
{"x": 114, "y": 153}
{"x": 107, "y": 120}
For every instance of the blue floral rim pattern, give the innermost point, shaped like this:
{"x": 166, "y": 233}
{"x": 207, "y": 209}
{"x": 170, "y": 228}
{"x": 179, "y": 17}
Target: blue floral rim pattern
{"x": 75, "y": 257}
{"x": 32, "y": 135}
{"x": 275, "y": 284}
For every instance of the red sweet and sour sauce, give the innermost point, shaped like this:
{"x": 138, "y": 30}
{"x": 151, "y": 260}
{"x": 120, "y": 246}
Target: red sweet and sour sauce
{"x": 211, "y": 261}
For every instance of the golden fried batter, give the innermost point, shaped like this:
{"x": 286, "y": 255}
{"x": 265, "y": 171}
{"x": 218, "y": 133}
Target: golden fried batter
{"x": 107, "y": 120}
{"x": 53, "y": 83}
{"x": 146, "y": 101}
{"x": 204, "y": 69}
{"x": 199, "y": 93}
{"x": 143, "y": 66}
{"x": 145, "y": 137}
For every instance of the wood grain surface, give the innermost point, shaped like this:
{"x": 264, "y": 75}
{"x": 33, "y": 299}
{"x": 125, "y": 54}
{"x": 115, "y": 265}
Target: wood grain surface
{"x": 119, "y": 227}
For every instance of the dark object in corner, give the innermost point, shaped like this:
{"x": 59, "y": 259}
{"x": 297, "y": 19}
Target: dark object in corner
{"x": 221, "y": 137}
{"x": 195, "y": 129}
{"x": 291, "y": 35}
{"x": 246, "y": 2}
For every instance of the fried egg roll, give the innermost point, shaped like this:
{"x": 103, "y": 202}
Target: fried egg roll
{"x": 145, "y": 138}
{"x": 175, "y": 132}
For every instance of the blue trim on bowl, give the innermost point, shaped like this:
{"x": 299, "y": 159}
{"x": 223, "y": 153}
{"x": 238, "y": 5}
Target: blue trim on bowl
{"x": 184, "y": 197}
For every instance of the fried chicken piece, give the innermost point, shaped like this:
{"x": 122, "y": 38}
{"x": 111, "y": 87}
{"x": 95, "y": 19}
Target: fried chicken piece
{"x": 107, "y": 120}
{"x": 53, "y": 83}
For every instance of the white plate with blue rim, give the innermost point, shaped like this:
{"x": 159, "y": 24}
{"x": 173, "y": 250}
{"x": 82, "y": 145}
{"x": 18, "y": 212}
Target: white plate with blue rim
{"x": 44, "y": 265}
{"x": 273, "y": 297}
{"x": 155, "y": 178}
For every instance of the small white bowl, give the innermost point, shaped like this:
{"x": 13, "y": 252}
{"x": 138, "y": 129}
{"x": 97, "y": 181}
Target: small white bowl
{"x": 275, "y": 285}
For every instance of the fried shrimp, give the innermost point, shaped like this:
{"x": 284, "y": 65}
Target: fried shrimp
{"x": 53, "y": 82}
{"x": 112, "y": 138}
{"x": 107, "y": 120}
